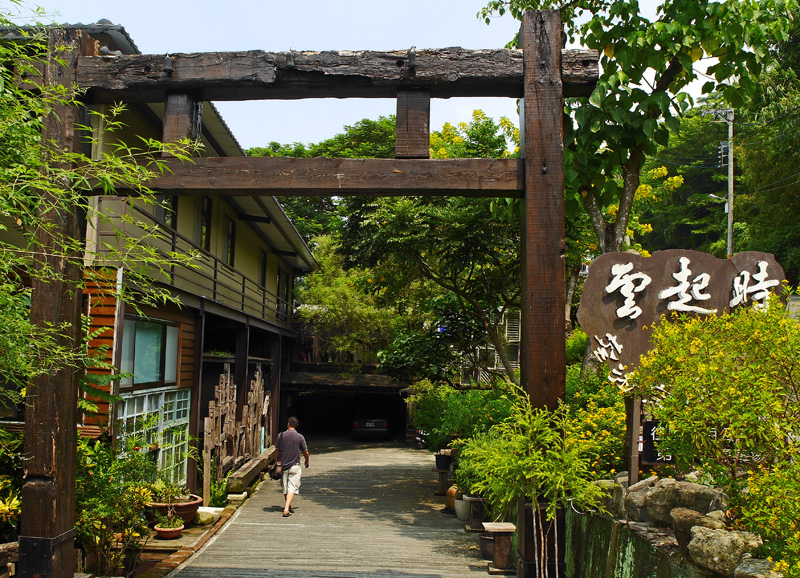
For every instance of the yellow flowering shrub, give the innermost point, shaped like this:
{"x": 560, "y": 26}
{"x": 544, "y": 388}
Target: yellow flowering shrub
{"x": 597, "y": 420}
{"x": 772, "y": 510}
{"x": 725, "y": 392}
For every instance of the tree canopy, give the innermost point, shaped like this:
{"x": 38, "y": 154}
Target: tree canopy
{"x": 447, "y": 267}
{"x": 646, "y": 66}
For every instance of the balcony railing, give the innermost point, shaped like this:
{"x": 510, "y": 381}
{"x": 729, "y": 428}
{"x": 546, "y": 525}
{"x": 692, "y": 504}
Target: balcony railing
{"x": 207, "y": 277}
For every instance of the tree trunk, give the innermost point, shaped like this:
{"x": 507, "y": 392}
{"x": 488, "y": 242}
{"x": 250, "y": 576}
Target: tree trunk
{"x": 499, "y": 346}
{"x": 572, "y": 282}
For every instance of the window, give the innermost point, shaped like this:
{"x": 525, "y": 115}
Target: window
{"x": 262, "y": 269}
{"x": 149, "y": 352}
{"x": 166, "y": 210}
{"x": 283, "y": 294}
{"x": 160, "y": 417}
{"x": 229, "y": 250}
{"x": 171, "y": 213}
{"x": 202, "y": 235}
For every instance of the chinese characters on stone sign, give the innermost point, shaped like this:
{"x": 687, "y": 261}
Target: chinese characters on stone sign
{"x": 626, "y": 294}
{"x": 608, "y": 352}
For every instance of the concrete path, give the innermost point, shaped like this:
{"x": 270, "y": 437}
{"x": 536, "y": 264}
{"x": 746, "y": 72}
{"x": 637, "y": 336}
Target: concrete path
{"x": 365, "y": 510}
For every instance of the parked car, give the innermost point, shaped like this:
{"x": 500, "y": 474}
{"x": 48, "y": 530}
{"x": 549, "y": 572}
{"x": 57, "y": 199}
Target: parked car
{"x": 370, "y": 428}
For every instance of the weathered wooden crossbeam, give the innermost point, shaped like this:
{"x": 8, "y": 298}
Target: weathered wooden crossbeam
{"x": 322, "y": 176}
{"x": 255, "y": 75}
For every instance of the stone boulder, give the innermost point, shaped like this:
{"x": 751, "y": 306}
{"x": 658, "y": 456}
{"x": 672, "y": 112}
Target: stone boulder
{"x": 721, "y": 551}
{"x": 668, "y": 494}
{"x": 618, "y": 496}
{"x": 635, "y": 508}
{"x": 755, "y": 568}
{"x": 206, "y": 516}
{"x": 684, "y": 519}
{"x": 607, "y": 501}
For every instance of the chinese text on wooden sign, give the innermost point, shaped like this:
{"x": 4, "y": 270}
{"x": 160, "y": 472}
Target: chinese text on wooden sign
{"x": 626, "y": 294}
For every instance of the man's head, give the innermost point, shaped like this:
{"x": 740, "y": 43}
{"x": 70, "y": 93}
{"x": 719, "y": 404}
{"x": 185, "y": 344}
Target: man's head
{"x": 293, "y": 423}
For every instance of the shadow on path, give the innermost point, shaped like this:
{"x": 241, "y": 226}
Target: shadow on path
{"x": 364, "y": 509}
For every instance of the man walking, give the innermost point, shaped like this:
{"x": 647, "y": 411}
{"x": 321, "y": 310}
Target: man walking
{"x": 291, "y": 445}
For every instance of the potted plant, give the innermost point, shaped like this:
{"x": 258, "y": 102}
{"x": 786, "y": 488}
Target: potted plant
{"x": 171, "y": 500}
{"x": 110, "y": 503}
{"x": 534, "y": 453}
{"x": 170, "y": 526}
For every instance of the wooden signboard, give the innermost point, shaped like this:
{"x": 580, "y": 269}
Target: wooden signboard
{"x": 625, "y": 296}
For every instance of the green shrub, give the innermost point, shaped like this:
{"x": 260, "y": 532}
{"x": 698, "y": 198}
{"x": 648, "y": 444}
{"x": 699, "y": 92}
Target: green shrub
{"x": 771, "y": 509}
{"x": 725, "y": 390}
{"x": 534, "y": 453}
{"x": 446, "y": 414}
{"x": 597, "y": 412}
{"x": 11, "y": 471}
{"x": 576, "y": 344}
{"x": 111, "y": 497}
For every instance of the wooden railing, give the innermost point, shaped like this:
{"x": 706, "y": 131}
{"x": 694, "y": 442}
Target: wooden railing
{"x": 206, "y": 276}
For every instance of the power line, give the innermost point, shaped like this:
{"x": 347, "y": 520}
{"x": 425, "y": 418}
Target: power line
{"x": 763, "y": 189}
{"x": 795, "y": 110}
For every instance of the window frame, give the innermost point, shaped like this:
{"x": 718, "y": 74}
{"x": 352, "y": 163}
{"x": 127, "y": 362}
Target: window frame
{"x": 205, "y": 216}
{"x": 171, "y": 409}
{"x": 229, "y": 248}
{"x": 130, "y": 383}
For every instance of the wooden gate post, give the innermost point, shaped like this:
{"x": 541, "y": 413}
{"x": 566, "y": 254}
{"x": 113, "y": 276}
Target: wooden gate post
{"x": 542, "y": 351}
{"x": 47, "y": 526}
{"x": 542, "y": 355}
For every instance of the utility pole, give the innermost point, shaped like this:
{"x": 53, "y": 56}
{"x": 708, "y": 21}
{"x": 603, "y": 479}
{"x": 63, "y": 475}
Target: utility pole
{"x": 728, "y": 118}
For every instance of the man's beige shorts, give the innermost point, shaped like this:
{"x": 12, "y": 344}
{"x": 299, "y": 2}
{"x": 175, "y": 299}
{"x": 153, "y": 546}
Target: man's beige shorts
{"x": 291, "y": 479}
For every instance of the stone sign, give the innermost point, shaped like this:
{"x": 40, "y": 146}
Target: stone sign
{"x": 626, "y": 294}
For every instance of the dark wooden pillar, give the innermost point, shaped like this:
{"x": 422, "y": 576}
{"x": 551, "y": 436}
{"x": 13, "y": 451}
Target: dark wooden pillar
{"x": 46, "y": 544}
{"x": 542, "y": 358}
{"x": 542, "y": 354}
{"x": 412, "y": 135}
{"x": 275, "y": 387}
{"x": 240, "y": 368}
{"x": 182, "y": 118}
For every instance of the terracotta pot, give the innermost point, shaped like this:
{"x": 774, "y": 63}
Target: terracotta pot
{"x": 450, "y": 497}
{"x": 168, "y": 533}
{"x": 186, "y": 510}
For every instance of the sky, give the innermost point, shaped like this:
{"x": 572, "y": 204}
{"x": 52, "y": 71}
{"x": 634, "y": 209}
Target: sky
{"x": 174, "y": 26}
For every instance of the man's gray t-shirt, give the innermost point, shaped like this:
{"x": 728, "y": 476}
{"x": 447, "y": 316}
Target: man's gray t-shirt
{"x": 291, "y": 445}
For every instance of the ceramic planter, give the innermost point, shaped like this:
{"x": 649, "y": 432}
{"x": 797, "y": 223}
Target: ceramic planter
{"x": 168, "y": 533}
{"x": 186, "y": 510}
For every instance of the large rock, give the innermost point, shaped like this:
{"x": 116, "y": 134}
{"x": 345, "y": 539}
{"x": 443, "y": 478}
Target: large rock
{"x": 607, "y": 501}
{"x": 206, "y": 516}
{"x": 635, "y": 508}
{"x": 755, "y": 568}
{"x": 721, "y": 551}
{"x": 668, "y": 494}
{"x": 618, "y": 496}
{"x": 684, "y": 519}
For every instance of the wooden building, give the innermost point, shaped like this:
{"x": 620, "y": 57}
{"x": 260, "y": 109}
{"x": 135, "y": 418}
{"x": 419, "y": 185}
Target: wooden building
{"x": 233, "y": 312}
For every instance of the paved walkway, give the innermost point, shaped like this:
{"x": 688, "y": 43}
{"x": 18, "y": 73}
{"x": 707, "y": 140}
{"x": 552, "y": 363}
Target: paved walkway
{"x": 365, "y": 510}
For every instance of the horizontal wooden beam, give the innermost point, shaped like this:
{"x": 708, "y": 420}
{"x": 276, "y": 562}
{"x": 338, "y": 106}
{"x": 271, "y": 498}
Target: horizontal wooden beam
{"x": 258, "y": 75}
{"x": 322, "y": 176}
{"x": 313, "y": 380}
{"x": 255, "y": 218}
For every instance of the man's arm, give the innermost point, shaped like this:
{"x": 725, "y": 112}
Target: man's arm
{"x": 305, "y": 455}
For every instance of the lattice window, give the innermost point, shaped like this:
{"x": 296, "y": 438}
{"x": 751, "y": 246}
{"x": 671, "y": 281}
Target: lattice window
{"x": 161, "y": 417}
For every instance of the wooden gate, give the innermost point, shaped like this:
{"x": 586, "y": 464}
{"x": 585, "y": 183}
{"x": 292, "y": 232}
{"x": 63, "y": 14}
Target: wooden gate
{"x": 541, "y": 74}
